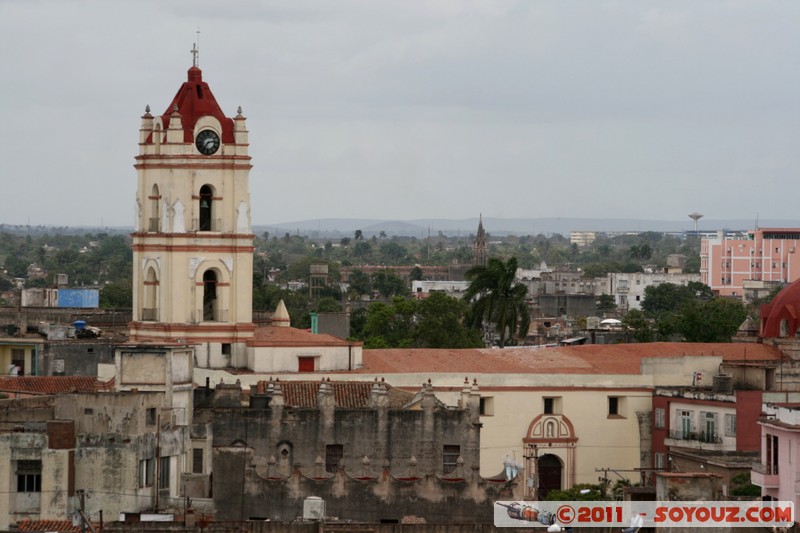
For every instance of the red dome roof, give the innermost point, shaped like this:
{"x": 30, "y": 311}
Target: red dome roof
{"x": 194, "y": 100}
{"x": 784, "y": 309}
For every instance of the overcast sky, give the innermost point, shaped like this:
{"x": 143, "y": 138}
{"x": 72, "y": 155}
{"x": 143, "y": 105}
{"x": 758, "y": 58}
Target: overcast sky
{"x": 415, "y": 109}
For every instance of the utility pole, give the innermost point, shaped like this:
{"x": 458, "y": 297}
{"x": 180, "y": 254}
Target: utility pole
{"x": 82, "y": 496}
{"x": 82, "y": 512}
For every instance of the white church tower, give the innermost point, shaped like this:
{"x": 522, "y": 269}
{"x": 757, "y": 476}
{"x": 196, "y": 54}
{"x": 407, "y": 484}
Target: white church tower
{"x": 192, "y": 242}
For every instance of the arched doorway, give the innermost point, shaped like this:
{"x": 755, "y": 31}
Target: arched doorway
{"x": 549, "y": 468}
{"x": 550, "y": 448}
{"x": 209, "y": 295}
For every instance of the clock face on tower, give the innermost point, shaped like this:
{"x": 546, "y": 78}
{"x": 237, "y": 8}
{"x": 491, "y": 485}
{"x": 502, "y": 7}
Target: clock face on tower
{"x": 207, "y": 142}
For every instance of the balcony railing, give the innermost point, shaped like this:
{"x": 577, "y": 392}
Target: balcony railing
{"x": 767, "y": 470}
{"x": 217, "y": 315}
{"x": 150, "y": 315}
{"x": 209, "y": 225}
{"x": 710, "y": 438}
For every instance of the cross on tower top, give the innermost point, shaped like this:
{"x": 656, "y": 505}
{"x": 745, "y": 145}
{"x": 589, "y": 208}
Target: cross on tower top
{"x": 196, "y": 49}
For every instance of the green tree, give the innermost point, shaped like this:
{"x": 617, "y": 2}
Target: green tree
{"x": 328, "y": 305}
{"x": 666, "y": 298}
{"x": 713, "y": 321}
{"x": 579, "y": 492}
{"x": 496, "y": 299}
{"x": 387, "y": 283}
{"x": 440, "y": 324}
{"x": 416, "y": 274}
{"x": 605, "y": 302}
{"x": 637, "y": 324}
{"x": 390, "y": 325}
{"x": 393, "y": 253}
{"x": 360, "y": 282}
{"x": 117, "y": 295}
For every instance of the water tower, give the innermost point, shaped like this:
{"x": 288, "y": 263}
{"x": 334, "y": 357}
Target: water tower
{"x": 695, "y": 217}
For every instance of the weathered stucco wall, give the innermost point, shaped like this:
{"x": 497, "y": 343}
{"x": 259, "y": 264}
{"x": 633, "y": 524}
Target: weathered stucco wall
{"x": 266, "y": 460}
{"x": 247, "y": 492}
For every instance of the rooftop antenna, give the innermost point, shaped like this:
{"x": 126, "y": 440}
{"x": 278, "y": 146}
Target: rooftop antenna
{"x": 196, "y": 50}
{"x": 695, "y": 216}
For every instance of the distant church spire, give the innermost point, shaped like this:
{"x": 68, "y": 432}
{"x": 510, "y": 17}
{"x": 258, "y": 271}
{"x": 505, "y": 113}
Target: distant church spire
{"x": 479, "y": 246}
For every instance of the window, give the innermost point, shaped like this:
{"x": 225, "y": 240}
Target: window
{"x": 226, "y": 348}
{"x": 150, "y": 416}
{"x": 772, "y": 454}
{"x": 486, "y": 407}
{"x": 659, "y": 417}
{"x": 333, "y": 456}
{"x": 450, "y": 455}
{"x": 29, "y": 476}
{"x": 552, "y": 405}
{"x": 146, "y": 472}
{"x": 163, "y": 476}
{"x": 710, "y": 427}
{"x": 730, "y": 425}
{"x": 658, "y": 460}
{"x": 685, "y": 424}
{"x": 548, "y": 406}
{"x": 197, "y": 461}
{"x": 615, "y": 406}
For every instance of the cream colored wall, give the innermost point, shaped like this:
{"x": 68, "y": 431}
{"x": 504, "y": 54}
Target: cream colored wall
{"x": 603, "y": 442}
{"x": 180, "y": 269}
{"x": 180, "y": 274}
{"x": 6, "y": 357}
{"x": 329, "y": 358}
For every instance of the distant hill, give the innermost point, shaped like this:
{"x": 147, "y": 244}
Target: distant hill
{"x": 344, "y": 227}
{"x": 336, "y": 228}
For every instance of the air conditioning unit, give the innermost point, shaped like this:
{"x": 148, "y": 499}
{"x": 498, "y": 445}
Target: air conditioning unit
{"x": 313, "y": 508}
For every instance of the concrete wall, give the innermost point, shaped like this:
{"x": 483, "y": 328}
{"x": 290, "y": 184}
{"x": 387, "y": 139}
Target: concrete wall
{"x": 573, "y": 305}
{"x": 75, "y": 358}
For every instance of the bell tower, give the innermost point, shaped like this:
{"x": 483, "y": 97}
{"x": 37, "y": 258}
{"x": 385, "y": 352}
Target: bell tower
{"x": 192, "y": 240}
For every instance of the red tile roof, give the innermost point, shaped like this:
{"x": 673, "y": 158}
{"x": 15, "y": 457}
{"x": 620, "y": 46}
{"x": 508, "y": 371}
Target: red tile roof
{"x": 52, "y": 384}
{"x": 282, "y": 336}
{"x": 62, "y": 526}
{"x": 347, "y": 394}
{"x": 584, "y": 359}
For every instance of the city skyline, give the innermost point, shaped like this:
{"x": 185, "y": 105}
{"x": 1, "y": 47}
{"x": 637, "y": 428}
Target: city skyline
{"x": 396, "y": 111}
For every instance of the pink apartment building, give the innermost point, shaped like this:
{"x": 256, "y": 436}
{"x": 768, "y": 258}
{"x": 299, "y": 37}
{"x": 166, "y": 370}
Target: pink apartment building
{"x": 766, "y": 254}
{"x": 777, "y": 472}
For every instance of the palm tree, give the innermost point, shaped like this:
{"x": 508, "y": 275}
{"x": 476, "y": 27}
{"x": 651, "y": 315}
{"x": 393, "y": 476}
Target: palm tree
{"x": 496, "y": 299}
